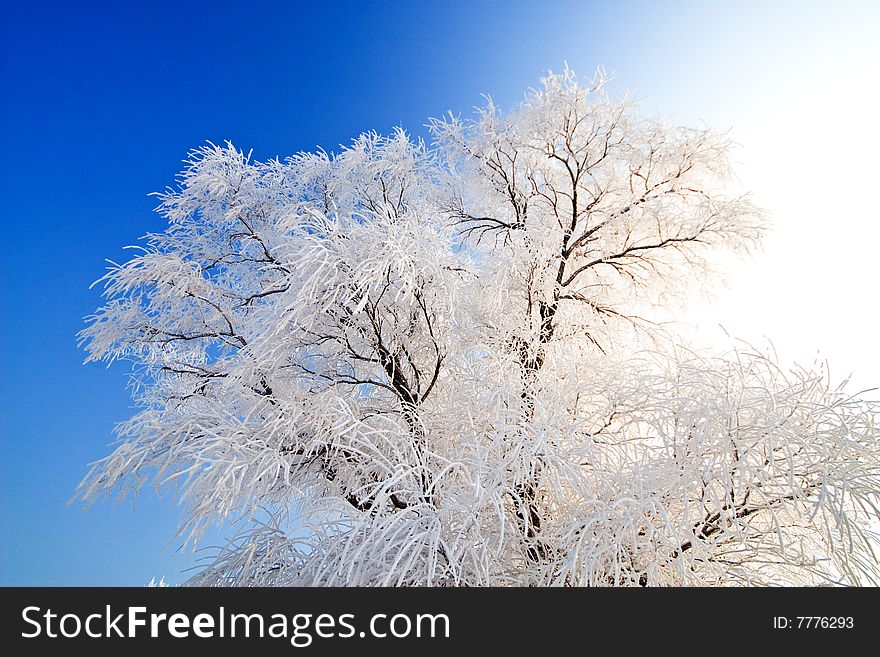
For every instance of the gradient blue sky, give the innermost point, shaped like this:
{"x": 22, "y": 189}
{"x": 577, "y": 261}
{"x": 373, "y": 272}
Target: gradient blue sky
{"x": 99, "y": 102}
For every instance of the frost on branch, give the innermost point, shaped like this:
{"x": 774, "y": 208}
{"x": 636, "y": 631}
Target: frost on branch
{"x": 406, "y": 364}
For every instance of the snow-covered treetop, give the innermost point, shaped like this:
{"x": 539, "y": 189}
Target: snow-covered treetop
{"x": 413, "y": 364}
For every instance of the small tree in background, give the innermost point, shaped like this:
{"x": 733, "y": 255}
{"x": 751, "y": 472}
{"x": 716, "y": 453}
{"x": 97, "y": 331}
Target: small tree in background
{"x": 434, "y": 365}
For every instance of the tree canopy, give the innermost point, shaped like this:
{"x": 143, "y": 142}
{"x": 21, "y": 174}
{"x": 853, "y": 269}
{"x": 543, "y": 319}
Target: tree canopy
{"x": 436, "y": 364}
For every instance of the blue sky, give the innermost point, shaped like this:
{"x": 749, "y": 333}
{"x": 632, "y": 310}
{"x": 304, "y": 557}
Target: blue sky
{"x": 99, "y": 102}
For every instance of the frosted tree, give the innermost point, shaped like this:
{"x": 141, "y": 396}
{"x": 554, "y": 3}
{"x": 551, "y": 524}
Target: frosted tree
{"x": 411, "y": 364}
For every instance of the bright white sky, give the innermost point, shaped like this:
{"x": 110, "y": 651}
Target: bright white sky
{"x": 797, "y": 85}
